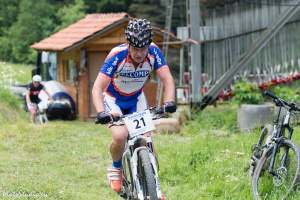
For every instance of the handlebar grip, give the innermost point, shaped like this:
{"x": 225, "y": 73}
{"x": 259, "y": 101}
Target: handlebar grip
{"x": 115, "y": 118}
{"x": 268, "y": 93}
{"x": 159, "y": 111}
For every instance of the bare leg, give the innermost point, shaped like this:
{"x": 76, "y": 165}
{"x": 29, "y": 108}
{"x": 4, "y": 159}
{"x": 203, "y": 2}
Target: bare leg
{"x": 119, "y": 136}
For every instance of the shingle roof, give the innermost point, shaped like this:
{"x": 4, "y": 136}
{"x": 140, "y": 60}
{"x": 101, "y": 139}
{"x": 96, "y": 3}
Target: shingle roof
{"x": 79, "y": 31}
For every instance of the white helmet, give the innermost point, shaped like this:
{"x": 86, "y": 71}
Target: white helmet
{"x": 37, "y": 78}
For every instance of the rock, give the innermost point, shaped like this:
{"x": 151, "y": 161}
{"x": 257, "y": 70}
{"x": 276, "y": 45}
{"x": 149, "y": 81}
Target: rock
{"x": 167, "y": 125}
{"x": 253, "y": 116}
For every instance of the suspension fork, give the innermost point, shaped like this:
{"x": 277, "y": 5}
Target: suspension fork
{"x": 272, "y": 162}
{"x": 286, "y": 150}
{"x": 276, "y": 135}
{"x": 273, "y": 156}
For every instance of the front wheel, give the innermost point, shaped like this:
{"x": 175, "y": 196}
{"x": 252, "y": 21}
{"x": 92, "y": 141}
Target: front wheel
{"x": 285, "y": 176}
{"x": 146, "y": 175}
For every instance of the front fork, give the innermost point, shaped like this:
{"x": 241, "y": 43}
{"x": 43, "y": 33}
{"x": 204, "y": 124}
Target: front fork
{"x": 274, "y": 151}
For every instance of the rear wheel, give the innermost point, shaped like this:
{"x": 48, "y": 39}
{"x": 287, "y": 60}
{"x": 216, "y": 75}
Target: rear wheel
{"x": 146, "y": 176}
{"x": 285, "y": 178}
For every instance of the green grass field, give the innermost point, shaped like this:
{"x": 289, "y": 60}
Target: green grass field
{"x": 67, "y": 160}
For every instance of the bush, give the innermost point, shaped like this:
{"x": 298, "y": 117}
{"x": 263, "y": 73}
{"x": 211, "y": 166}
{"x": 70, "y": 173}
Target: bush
{"x": 10, "y": 107}
{"x": 247, "y": 93}
{"x": 287, "y": 92}
{"x": 222, "y": 117}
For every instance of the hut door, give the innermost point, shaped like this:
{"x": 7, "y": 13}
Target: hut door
{"x": 95, "y": 61}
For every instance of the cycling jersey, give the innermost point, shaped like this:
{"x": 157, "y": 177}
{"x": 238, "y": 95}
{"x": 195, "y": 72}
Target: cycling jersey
{"x": 127, "y": 81}
{"x": 34, "y": 92}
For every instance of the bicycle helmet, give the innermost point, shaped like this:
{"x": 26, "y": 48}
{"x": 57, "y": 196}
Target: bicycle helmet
{"x": 139, "y": 33}
{"x": 37, "y": 78}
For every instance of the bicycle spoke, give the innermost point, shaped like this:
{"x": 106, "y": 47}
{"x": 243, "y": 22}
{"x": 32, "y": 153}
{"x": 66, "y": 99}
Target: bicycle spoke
{"x": 277, "y": 184}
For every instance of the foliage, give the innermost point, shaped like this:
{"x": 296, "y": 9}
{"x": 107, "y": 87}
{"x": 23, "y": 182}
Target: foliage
{"x": 287, "y": 92}
{"x": 8, "y": 14}
{"x": 69, "y": 14}
{"x": 28, "y": 29}
{"x": 94, "y": 6}
{"x": 11, "y": 106}
{"x": 9, "y": 99}
{"x": 247, "y": 93}
{"x": 24, "y": 22}
{"x": 222, "y": 118}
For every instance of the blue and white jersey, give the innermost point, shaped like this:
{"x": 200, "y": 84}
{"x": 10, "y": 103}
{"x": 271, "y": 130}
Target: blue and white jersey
{"x": 127, "y": 82}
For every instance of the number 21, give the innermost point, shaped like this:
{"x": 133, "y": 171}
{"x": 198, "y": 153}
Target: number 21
{"x": 138, "y": 123}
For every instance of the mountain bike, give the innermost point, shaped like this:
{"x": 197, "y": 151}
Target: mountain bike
{"x": 140, "y": 165}
{"x": 276, "y": 159}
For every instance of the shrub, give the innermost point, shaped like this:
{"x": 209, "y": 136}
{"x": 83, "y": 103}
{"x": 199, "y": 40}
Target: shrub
{"x": 247, "y": 93}
{"x": 287, "y": 92}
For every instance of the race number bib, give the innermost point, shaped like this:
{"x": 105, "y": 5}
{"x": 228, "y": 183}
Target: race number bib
{"x": 139, "y": 123}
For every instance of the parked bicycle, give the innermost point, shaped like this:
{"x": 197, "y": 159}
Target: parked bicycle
{"x": 276, "y": 159}
{"x": 140, "y": 166}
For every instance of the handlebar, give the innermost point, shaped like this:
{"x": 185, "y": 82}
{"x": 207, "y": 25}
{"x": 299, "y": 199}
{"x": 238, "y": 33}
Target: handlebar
{"x": 158, "y": 112}
{"x": 153, "y": 110}
{"x": 280, "y": 102}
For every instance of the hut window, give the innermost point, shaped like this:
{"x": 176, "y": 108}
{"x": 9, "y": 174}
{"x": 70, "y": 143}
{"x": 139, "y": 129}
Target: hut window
{"x": 53, "y": 66}
{"x": 48, "y": 65}
{"x": 71, "y": 71}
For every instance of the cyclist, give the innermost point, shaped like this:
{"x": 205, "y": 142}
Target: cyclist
{"x": 118, "y": 88}
{"x": 32, "y": 95}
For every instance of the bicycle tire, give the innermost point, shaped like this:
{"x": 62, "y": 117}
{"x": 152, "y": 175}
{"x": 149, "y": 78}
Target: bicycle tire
{"x": 128, "y": 179}
{"x": 257, "y": 149}
{"x": 146, "y": 174}
{"x": 264, "y": 191}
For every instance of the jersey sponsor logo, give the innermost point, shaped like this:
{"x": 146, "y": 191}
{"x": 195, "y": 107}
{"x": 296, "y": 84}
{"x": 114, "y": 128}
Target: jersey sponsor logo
{"x": 158, "y": 59}
{"x": 109, "y": 70}
{"x": 114, "y": 64}
{"x": 136, "y": 74}
{"x": 115, "y": 61}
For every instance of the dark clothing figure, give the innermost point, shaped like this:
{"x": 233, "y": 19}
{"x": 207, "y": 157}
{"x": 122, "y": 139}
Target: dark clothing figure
{"x": 34, "y": 92}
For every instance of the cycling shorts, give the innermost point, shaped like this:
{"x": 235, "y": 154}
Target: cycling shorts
{"x": 116, "y": 106}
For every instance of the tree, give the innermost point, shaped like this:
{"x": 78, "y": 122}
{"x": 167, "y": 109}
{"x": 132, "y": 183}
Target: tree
{"x": 70, "y": 13}
{"x": 153, "y": 10}
{"x": 34, "y": 22}
{"x": 8, "y": 14}
{"x": 96, "y": 6}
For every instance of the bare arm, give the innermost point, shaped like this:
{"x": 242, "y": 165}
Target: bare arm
{"x": 165, "y": 76}
{"x": 27, "y": 97}
{"x": 100, "y": 85}
{"x": 49, "y": 96}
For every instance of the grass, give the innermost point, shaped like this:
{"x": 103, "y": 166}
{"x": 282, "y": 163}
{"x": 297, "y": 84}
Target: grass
{"x": 10, "y": 105}
{"x": 67, "y": 160}
{"x": 14, "y": 73}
